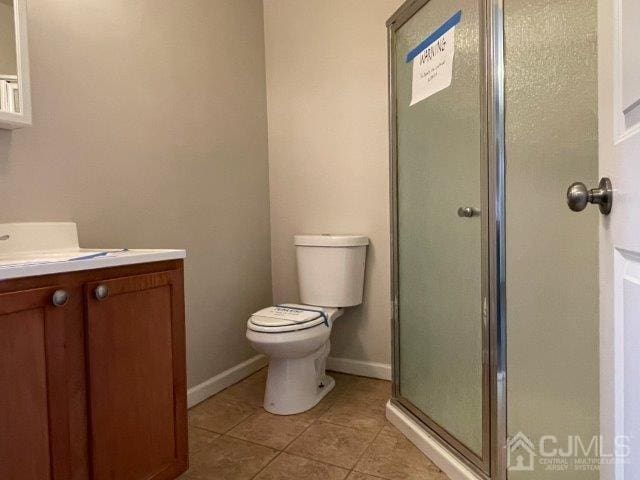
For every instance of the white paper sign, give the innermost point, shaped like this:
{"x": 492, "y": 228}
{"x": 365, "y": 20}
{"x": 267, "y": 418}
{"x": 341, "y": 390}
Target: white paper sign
{"x": 433, "y": 66}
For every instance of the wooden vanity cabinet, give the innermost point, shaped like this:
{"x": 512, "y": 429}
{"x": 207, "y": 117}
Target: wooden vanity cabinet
{"x": 135, "y": 350}
{"x": 34, "y": 410}
{"x": 94, "y": 388}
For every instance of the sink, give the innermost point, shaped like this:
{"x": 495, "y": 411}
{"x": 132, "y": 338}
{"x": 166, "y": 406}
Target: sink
{"x": 41, "y": 242}
{"x": 33, "y": 258}
{"x": 42, "y": 248}
{"x": 37, "y": 236}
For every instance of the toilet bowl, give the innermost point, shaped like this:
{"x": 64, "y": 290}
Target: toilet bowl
{"x": 296, "y": 340}
{"x": 295, "y": 336}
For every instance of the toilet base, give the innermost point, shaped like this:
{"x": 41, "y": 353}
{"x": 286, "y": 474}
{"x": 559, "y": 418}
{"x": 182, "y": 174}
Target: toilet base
{"x": 295, "y": 385}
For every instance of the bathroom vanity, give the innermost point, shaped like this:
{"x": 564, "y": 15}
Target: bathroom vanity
{"x": 92, "y": 362}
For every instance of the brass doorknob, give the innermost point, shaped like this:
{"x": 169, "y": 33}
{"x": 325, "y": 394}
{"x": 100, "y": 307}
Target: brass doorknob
{"x": 578, "y": 196}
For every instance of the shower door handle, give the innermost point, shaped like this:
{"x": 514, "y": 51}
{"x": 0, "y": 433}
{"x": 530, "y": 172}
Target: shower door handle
{"x": 468, "y": 212}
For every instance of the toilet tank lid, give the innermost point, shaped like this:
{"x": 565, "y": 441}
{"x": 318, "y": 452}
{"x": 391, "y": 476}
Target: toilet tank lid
{"x": 329, "y": 240}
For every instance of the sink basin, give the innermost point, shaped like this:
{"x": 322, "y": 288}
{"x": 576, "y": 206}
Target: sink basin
{"x": 37, "y": 236}
{"x": 31, "y": 249}
{"x": 44, "y": 242}
{"x": 32, "y": 258}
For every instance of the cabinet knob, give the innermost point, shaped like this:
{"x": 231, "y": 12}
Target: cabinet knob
{"x": 101, "y": 292}
{"x": 59, "y": 298}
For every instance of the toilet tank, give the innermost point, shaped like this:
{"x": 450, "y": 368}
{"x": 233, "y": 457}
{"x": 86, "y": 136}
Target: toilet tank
{"x": 331, "y": 269}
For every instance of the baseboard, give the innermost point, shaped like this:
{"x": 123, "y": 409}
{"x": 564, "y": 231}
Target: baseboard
{"x": 445, "y": 460}
{"x": 210, "y": 387}
{"x": 359, "y": 367}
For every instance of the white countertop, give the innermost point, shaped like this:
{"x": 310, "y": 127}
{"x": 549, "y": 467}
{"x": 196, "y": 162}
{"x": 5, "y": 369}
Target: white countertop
{"x": 33, "y": 249}
{"x": 46, "y": 263}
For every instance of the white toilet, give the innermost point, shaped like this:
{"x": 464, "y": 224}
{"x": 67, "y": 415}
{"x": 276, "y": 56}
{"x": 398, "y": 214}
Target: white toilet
{"x": 295, "y": 337}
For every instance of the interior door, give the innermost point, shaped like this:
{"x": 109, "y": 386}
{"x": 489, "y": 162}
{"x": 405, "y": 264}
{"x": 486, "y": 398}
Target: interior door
{"x": 440, "y": 220}
{"x": 619, "y": 104}
{"x": 137, "y": 394}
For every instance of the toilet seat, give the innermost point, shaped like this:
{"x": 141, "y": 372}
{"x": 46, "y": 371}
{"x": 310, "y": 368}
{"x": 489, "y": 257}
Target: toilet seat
{"x": 287, "y": 318}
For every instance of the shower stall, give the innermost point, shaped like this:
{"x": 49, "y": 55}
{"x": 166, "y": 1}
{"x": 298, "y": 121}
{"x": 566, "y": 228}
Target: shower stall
{"x": 493, "y": 113}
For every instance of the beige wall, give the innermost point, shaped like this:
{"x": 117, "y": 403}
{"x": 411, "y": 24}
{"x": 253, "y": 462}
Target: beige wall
{"x": 154, "y": 134}
{"x": 328, "y": 148}
{"x": 7, "y": 39}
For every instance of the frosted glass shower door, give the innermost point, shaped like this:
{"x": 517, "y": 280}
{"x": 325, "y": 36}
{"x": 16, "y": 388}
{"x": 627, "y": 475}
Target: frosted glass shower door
{"x": 440, "y": 194}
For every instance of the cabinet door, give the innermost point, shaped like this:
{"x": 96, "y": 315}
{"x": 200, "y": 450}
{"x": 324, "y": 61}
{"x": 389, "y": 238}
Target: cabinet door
{"x": 34, "y": 421}
{"x": 136, "y": 375}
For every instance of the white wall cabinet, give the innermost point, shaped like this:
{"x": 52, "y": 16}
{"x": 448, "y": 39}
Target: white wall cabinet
{"x": 15, "y": 87}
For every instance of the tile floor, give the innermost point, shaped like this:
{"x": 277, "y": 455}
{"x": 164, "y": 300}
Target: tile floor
{"x": 346, "y": 436}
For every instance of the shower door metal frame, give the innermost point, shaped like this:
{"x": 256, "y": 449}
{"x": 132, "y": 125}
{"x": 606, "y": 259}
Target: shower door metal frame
{"x": 492, "y": 462}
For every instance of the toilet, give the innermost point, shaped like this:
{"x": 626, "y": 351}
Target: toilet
{"x": 295, "y": 336}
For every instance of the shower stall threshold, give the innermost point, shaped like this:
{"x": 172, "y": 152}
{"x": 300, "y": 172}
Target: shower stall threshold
{"x": 415, "y": 432}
